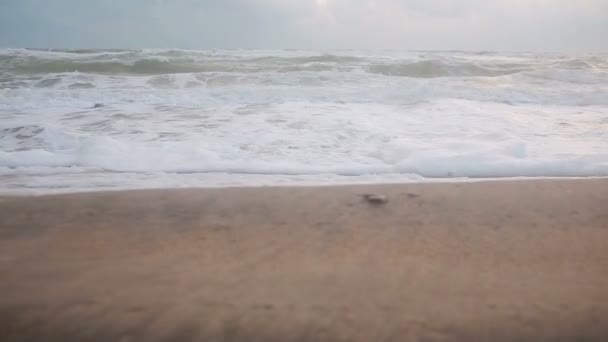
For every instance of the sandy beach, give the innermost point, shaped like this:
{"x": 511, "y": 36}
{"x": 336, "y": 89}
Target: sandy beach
{"x": 484, "y": 261}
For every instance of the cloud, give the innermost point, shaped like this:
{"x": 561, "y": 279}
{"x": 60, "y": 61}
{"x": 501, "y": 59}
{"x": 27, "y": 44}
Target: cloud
{"x": 580, "y": 25}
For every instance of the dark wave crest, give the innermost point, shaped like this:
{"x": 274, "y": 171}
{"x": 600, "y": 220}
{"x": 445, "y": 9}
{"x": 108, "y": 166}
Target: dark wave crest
{"x": 436, "y": 68}
{"x": 150, "y": 62}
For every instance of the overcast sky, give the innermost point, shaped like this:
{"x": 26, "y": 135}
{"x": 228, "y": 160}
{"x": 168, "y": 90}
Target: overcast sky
{"x": 546, "y": 25}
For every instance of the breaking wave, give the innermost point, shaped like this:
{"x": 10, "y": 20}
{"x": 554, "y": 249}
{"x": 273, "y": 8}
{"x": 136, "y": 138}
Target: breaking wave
{"x": 158, "y": 62}
{"x": 153, "y": 114}
{"x": 108, "y": 154}
{"x": 435, "y": 68}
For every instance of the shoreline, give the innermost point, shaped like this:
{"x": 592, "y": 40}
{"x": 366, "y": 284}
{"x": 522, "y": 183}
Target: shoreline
{"x": 40, "y": 192}
{"x": 522, "y": 260}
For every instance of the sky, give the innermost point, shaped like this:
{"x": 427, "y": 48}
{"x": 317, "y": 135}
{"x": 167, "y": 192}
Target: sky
{"x": 503, "y": 25}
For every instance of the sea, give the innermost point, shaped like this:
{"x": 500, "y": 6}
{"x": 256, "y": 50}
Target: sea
{"x": 89, "y": 120}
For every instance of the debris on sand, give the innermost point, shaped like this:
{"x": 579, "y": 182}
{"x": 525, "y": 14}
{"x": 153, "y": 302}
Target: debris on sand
{"x": 375, "y": 199}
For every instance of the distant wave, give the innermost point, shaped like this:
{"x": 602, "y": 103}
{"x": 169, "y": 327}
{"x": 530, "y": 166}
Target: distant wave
{"x": 435, "y": 68}
{"x": 145, "y": 66}
{"x": 127, "y": 62}
{"x": 158, "y": 63}
{"x": 151, "y": 66}
{"x": 39, "y": 78}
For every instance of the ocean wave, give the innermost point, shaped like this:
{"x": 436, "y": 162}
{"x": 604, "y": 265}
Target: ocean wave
{"x": 35, "y": 137}
{"x": 160, "y": 66}
{"x": 325, "y": 58}
{"x": 152, "y": 62}
{"x": 49, "y": 147}
{"x": 156, "y": 112}
{"x": 574, "y": 77}
{"x": 159, "y": 62}
{"x": 157, "y": 66}
{"x": 144, "y": 66}
{"x": 146, "y": 160}
{"x": 436, "y": 68}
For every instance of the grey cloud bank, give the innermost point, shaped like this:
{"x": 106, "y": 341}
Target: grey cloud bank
{"x": 537, "y": 25}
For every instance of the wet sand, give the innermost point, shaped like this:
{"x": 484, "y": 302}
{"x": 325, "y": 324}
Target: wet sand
{"x": 488, "y": 261}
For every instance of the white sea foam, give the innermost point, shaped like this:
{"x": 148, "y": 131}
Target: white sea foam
{"x": 198, "y": 118}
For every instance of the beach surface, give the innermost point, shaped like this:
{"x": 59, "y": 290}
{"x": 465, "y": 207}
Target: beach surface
{"x": 482, "y": 261}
